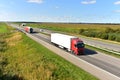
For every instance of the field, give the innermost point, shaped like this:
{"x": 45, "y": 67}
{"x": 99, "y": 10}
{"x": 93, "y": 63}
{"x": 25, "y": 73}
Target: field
{"x": 3, "y": 28}
{"x": 24, "y": 59}
{"x": 73, "y": 27}
{"x": 103, "y": 31}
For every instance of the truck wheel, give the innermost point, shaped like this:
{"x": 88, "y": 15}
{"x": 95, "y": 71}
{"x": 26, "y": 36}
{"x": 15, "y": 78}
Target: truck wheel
{"x": 82, "y": 53}
{"x": 72, "y": 52}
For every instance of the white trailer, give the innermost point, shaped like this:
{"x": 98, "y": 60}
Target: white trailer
{"x": 62, "y": 40}
{"x": 70, "y": 43}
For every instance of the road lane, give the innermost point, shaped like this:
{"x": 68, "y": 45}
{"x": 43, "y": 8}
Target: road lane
{"x": 101, "y": 44}
{"x": 105, "y": 62}
{"x": 97, "y": 43}
{"x": 98, "y": 72}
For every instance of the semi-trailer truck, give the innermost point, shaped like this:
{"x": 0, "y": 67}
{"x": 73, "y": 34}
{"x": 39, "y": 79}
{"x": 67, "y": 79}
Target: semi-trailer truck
{"x": 70, "y": 43}
{"x": 28, "y": 29}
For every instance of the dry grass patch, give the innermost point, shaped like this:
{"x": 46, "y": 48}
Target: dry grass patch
{"x": 25, "y": 59}
{"x": 12, "y": 41}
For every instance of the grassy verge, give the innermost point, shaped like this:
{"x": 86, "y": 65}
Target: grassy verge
{"x": 3, "y": 28}
{"x": 25, "y": 59}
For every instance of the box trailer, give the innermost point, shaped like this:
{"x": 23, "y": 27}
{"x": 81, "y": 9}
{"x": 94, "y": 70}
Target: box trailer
{"x": 70, "y": 43}
{"x": 28, "y": 29}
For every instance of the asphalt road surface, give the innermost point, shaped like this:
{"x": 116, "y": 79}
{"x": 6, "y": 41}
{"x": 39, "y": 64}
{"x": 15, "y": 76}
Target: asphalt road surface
{"x": 97, "y": 43}
{"x": 98, "y": 59}
{"x": 101, "y": 44}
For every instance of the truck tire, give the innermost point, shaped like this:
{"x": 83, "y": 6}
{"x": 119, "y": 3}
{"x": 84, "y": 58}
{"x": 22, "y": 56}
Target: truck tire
{"x": 72, "y": 52}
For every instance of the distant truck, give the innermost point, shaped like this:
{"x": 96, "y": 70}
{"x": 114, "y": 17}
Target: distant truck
{"x": 28, "y": 29}
{"x": 23, "y": 24}
{"x": 70, "y": 43}
{"x": 41, "y": 30}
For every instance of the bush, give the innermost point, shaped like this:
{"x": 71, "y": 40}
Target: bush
{"x": 93, "y": 34}
{"x": 86, "y": 33}
{"x": 98, "y": 35}
{"x": 108, "y": 34}
{"x": 104, "y": 36}
{"x": 117, "y": 38}
{"x": 111, "y": 36}
{"x": 109, "y": 30}
{"x": 117, "y": 31}
{"x": 81, "y": 31}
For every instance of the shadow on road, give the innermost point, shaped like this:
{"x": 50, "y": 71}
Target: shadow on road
{"x": 34, "y": 32}
{"x": 89, "y": 52}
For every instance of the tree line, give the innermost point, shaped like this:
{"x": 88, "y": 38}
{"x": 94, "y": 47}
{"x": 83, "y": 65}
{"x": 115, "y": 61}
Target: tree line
{"x": 107, "y": 34}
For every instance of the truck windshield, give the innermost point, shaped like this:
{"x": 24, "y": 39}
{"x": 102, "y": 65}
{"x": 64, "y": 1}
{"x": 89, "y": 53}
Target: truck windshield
{"x": 80, "y": 45}
{"x": 31, "y": 30}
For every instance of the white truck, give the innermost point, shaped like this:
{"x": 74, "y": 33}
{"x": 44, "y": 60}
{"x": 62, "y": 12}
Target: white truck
{"x": 70, "y": 43}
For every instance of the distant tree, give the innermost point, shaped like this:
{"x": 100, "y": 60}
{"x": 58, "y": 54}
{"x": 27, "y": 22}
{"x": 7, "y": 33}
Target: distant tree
{"x": 117, "y": 31}
{"x": 99, "y": 34}
{"x": 111, "y": 36}
{"x": 109, "y": 30}
{"x": 92, "y": 34}
{"x": 117, "y": 38}
{"x": 104, "y": 36}
{"x": 81, "y": 31}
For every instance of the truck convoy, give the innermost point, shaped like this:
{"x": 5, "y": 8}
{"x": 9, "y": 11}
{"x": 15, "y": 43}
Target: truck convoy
{"x": 28, "y": 29}
{"x": 70, "y": 43}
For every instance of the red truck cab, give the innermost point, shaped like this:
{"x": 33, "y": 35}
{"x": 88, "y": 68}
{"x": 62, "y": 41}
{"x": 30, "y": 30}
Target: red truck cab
{"x": 77, "y": 46}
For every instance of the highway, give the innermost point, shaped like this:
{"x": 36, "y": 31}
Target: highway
{"x": 97, "y": 43}
{"x": 101, "y": 44}
{"x": 98, "y": 59}
{"x": 105, "y": 67}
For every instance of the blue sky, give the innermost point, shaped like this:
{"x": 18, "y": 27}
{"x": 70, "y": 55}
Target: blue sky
{"x": 88, "y": 11}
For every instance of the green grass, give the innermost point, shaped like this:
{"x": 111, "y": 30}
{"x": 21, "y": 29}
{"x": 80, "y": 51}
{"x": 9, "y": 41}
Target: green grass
{"x": 64, "y": 69}
{"x": 25, "y": 59}
{"x": 73, "y": 27}
{"x": 102, "y": 31}
{"x": 3, "y": 28}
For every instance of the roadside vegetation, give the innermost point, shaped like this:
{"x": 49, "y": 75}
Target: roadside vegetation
{"x": 107, "y": 34}
{"x": 102, "y": 31}
{"x": 3, "y": 28}
{"x": 24, "y": 59}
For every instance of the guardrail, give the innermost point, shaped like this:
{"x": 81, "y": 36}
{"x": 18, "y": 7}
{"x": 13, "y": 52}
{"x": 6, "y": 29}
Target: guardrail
{"x": 105, "y": 49}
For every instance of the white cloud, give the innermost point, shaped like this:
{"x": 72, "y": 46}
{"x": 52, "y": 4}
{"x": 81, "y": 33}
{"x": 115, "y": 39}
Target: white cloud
{"x": 53, "y": 18}
{"x": 117, "y": 11}
{"x": 4, "y": 16}
{"x": 88, "y": 2}
{"x": 56, "y": 7}
{"x": 117, "y": 3}
{"x": 35, "y": 1}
